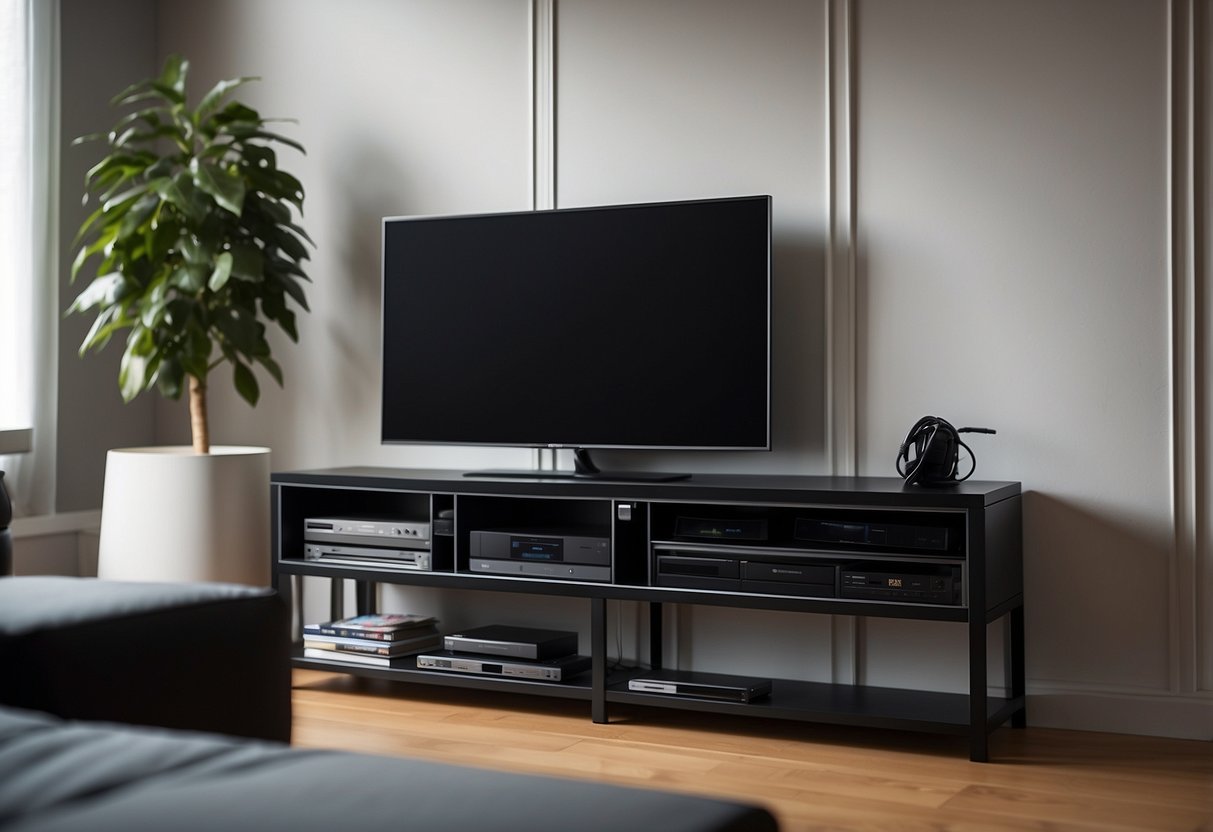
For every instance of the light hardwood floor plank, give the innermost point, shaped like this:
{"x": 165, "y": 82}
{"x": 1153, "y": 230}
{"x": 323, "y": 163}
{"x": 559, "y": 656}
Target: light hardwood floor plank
{"x": 812, "y": 777}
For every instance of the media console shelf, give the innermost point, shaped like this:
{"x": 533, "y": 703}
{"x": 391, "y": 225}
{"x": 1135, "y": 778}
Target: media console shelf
{"x": 862, "y": 546}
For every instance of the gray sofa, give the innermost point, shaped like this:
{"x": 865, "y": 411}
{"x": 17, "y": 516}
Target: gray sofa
{"x": 97, "y": 654}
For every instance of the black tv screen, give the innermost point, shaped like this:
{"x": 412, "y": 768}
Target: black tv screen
{"x": 629, "y": 326}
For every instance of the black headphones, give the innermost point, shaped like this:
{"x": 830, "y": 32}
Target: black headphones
{"x": 936, "y": 453}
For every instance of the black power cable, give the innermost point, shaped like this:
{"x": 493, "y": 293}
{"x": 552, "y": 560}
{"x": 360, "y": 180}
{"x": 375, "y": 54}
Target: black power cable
{"x": 935, "y": 460}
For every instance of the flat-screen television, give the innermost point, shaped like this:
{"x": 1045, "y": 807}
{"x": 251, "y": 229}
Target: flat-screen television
{"x": 621, "y": 326}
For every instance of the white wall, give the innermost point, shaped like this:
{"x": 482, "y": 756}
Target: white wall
{"x": 105, "y": 46}
{"x": 1006, "y": 169}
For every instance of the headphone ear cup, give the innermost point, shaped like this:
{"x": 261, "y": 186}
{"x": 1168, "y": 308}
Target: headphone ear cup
{"x": 938, "y": 463}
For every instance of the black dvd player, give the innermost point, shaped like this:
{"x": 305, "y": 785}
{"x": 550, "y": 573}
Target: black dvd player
{"x": 515, "y": 642}
{"x": 689, "y": 683}
{"x": 690, "y": 569}
{"x": 885, "y": 535}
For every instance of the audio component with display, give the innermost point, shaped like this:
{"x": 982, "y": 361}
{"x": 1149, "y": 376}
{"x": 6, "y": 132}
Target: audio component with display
{"x": 750, "y": 529}
{"x": 917, "y": 584}
{"x": 353, "y": 541}
{"x": 885, "y": 535}
{"x": 692, "y": 569}
{"x": 541, "y": 554}
{"x": 358, "y": 531}
{"x": 550, "y": 670}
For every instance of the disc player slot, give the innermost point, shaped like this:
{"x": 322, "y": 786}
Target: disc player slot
{"x": 751, "y": 552}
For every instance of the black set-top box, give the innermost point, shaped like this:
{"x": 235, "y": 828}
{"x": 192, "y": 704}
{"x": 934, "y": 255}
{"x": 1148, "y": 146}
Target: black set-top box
{"x": 500, "y": 650}
{"x": 514, "y": 642}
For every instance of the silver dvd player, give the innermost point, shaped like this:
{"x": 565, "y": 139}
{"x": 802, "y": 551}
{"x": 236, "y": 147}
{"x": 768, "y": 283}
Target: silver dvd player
{"x": 551, "y": 670}
{"x": 364, "y": 532}
{"x": 379, "y": 557}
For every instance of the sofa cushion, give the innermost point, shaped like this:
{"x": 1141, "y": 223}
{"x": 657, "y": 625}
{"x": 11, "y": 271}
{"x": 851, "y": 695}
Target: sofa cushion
{"x": 77, "y": 776}
{"x": 210, "y": 657}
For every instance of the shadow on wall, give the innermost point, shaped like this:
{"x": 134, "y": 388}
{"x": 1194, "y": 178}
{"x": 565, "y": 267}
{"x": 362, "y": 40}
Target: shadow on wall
{"x": 369, "y": 186}
{"x": 1096, "y": 595}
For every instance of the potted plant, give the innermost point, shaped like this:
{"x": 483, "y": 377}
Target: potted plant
{"x": 194, "y": 247}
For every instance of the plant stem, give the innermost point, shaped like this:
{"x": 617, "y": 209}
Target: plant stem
{"x": 198, "y": 423}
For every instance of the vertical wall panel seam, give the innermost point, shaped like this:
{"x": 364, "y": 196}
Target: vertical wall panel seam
{"x": 542, "y": 164}
{"x": 543, "y": 104}
{"x": 840, "y": 306}
{"x": 1199, "y": 150}
{"x": 1181, "y": 234}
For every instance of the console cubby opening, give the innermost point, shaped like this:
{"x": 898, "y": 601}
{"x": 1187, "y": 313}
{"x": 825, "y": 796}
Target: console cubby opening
{"x": 528, "y": 516}
{"x": 923, "y": 533}
{"x": 298, "y": 504}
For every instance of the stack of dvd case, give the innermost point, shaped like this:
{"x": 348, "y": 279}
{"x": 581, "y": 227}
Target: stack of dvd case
{"x": 375, "y": 639}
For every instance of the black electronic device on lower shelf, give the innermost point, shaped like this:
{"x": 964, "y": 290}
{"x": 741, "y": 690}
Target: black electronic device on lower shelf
{"x": 701, "y": 685}
{"x": 513, "y": 642}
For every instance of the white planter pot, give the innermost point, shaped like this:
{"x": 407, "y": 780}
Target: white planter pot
{"x": 172, "y": 515}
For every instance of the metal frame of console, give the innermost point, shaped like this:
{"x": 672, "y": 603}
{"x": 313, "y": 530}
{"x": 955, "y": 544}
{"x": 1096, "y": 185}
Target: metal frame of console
{"x": 987, "y": 516}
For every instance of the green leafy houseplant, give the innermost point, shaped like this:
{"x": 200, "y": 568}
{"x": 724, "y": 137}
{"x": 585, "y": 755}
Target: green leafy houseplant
{"x": 196, "y": 239}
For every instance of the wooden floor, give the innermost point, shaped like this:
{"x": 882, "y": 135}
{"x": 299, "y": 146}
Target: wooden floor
{"x": 811, "y": 777}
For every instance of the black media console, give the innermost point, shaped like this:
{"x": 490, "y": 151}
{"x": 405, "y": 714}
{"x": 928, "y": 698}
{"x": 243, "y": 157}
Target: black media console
{"x": 860, "y": 546}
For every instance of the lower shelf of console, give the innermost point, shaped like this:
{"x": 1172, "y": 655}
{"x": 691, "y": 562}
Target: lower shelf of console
{"x": 893, "y": 708}
{"x": 405, "y": 669}
{"x": 873, "y": 707}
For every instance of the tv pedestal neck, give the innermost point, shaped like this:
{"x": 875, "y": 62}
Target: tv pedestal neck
{"x": 584, "y": 469}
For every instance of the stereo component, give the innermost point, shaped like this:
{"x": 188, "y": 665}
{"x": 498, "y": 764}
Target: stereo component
{"x": 751, "y": 529}
{"x": 551, "y": 670}
{"x": 364, "y": 532}
{"x": 540, "y": 554}
{"x": 886, "y": 535}
{"x": 691, "y": 570}
{"x": 893, "y": 582}
{"x": 417, "y": 560}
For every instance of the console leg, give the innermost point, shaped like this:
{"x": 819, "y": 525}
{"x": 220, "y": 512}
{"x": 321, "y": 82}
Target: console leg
{"x": 1015, "y": 670}
{"x": 655, "y": 635}
{"x": 979, "y": 732}
{"x": 364, "y": 597}
{"x": 336, "y": 599}
{"x": 598, "y": 659}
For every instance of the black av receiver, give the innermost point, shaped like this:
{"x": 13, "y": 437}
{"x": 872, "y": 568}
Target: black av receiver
{"x": 574, "y": 555}
{"x": 692, "y": 569}
{"x": 769, "y": 574}
{"x": 907, "y": 583}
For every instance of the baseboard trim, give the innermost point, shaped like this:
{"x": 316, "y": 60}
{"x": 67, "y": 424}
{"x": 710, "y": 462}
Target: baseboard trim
{"x": 1180, "y": 716}
{"x": 63, "y": 523}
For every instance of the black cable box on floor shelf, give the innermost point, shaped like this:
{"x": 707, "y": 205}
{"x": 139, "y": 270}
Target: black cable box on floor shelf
{"x": 698, "y": 685}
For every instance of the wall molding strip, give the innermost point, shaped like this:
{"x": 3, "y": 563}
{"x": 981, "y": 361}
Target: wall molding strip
{"x": 1181, "y": 233}
{"x": 542, "y": 25}
{"x": 840, "y": 300}
{"x": 543, "y": 103}
{"x": 840, "y": 306}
